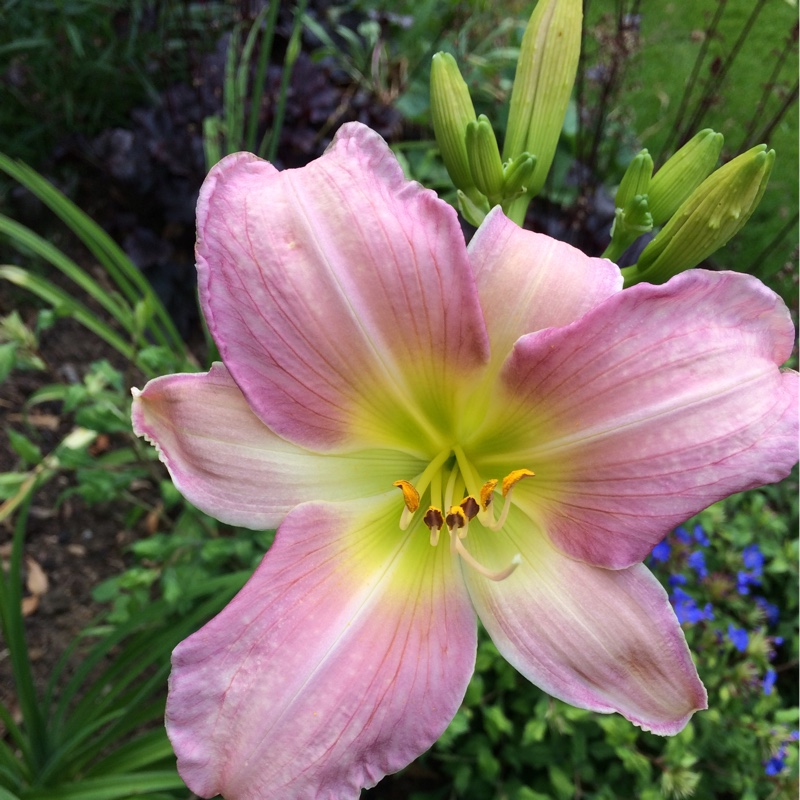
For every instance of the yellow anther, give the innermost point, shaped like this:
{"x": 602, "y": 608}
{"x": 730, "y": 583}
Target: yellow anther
{"x": 487, "y": 490}
{"x": 469, "y": 505}
{"x": 410, "y": 495}
{"x": 513, "y": 478}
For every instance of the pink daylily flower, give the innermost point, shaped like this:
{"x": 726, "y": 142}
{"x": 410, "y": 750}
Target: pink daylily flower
{"x": 440, "y": 432}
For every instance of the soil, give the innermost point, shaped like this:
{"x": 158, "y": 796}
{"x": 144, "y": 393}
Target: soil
{"x": 69, "y": 547}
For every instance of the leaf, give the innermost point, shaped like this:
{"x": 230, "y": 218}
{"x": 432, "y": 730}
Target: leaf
{"x": 24, "y": 447}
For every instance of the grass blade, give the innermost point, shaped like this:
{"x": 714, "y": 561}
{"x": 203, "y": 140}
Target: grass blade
{"x": 65, "y": 303}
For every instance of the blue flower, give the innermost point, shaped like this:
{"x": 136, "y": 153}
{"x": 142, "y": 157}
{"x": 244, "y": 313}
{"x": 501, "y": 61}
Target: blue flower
{"x": 776, "y": 763}
{"x": 683, "y": 534}
{"x": 700, "y": 536}
{"x": 744, "y": 580}
{"x": 697, "y": 561}
{"x": 678, "y": 579}
{"x": 739, "y": 637}
{"x": 686, "y": 608}
{"x": 661, "y": 551}
{"x": 769, "y": 681}
{"x": 753, "y": 559}
{"x": 770, "y": 610}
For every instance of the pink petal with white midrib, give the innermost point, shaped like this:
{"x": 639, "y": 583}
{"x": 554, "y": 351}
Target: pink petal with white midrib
{"x": 335, "y": 665}
{"x": 340, "y": 295}
{"x": 224, "y": 459}
{"x": 606, "y": 640}
{"x": 651, "y": 407}
{"x": 528, "y": 281}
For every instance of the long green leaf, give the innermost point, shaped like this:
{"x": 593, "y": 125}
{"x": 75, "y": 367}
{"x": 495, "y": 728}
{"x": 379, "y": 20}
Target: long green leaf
{"x": 13, "y": 628}
{"x": 67, "y": 304}
{"x": 22, "y": 236}
{"x": 130, "y": 281}
{"x": 292, "y": 51}
{"x": 20, "y": 741}
{"x": 114, "y": 787}
{"x": 144, "y": 750}
{"x": 260, "y": 76}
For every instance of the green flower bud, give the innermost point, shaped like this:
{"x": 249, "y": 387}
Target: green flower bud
{"x": 683, "y": 173}
{"x": 517, "y": 175}
{"x": 636, "y": 179}
{"x": 629, "y": 224}
{"x": 543, "y": 82}
{"x": 484, "y": 159}
{"x": 473, "y": 212}
{"x": 452, "y": 111}
{"x": 713, "y": 213}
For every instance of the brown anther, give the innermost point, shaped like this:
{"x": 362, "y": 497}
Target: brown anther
{"x": 469, "y": 505}
{"x": 487, "y": 490}
{"x": 456, "y": 518}
{"x": 513, "y": 478}
{"x": 433, "y": 518}
{"x": 410, "y": 495}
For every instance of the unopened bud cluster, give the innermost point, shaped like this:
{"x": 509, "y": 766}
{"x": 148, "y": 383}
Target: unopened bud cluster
{"x": 697, "y": 208}
{"x": 542, "y": 86}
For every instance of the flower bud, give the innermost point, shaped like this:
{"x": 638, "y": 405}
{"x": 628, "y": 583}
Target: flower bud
{"x": 629, "y": 224}
{"x": 484, "y": 159}
{"x": 636, "y": 179}
{"x": 683, "y": 173}
{"x": 452, "y": 111}
{"x": 517, "y": 175}
{"x": 716, "y": 210}
{"x": 473, "y": 212}
{"x": 543, "y": 82}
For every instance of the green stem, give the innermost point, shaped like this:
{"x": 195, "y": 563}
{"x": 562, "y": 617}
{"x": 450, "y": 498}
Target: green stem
{"x": 517, "y": 209}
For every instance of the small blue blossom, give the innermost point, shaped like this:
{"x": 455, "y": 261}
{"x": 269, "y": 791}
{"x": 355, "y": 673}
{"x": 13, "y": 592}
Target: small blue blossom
{"x": 776, "y": 763}
{"x": 744, "y": 580}
{"x": 700, "y": 536}
{"x": 769, "y": 681}
{"x": 770, "y": 610}
{"x": 677, "y": 580}
{"x": 687, "y": 610}
{"x": 697, "y": 561}
{"x": 683, "y": 534}
{"x": 661, "y": 551}
{"x": 739, "y": 637}
{"x": 753, "y": 559}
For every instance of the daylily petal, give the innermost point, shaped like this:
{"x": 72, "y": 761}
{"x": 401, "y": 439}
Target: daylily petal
{"x": 528, "y": 281}
{"x": 657, "y": 403}
{"x": 344, "y": 657}
{"x": 229, "y": 464}
{"x": 340, "y": 295}
{"x": 606, "y": 640}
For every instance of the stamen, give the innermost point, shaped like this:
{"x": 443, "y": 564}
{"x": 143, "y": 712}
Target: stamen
{"x": 434, "y": 519}
{"x": 449, "y": 490}
{"x": 487, "y": 491}
{"x": 411, "y": 499}
{"x": 513, "y": 478}
{"x": 509, "y": 482}
{"x": 456, "y": 518}
{"x": 469, "y": 505}
{"x": 500, "y": 575}
{"x": 410, "y": 495}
